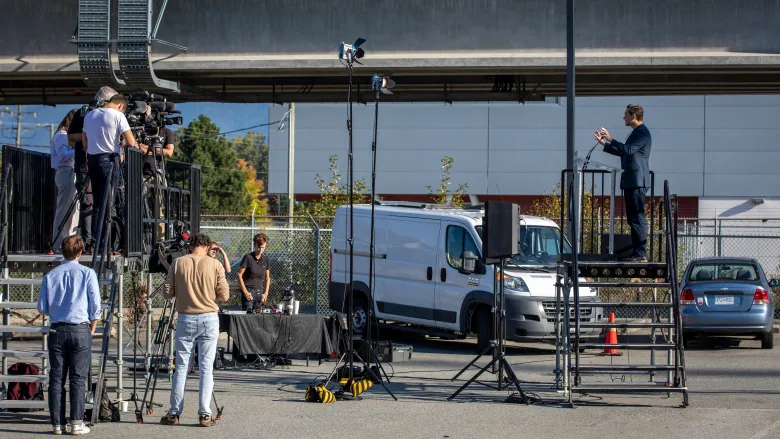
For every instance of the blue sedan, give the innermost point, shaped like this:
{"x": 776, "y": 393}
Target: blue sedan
{"x": 727, "y": 296}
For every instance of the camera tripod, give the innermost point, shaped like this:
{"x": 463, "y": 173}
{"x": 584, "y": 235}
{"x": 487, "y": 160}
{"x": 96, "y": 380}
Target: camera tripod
{"x": 497, "y": 346}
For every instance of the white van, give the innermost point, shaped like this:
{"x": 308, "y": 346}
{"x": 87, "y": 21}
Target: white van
{"x": 420, "y": 283}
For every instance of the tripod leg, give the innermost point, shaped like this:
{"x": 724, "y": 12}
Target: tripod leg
{"x": 474, "y": 378}
{"x": 379, "y": 365}
{"x": 472, "y": 362}
{"x": 511, "y": 374}
{"x": 374, "y": 377}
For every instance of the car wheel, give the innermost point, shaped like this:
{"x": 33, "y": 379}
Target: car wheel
{"x": 687, "y": 340}
{"x": 768, "y": 340}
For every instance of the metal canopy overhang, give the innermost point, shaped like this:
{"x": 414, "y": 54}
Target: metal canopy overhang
{"x": 413, "y": 85}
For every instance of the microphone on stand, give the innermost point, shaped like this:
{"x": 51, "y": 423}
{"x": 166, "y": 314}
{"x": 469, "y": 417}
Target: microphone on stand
{"x": 587, "y": 157}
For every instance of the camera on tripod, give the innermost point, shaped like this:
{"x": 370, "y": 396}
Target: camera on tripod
{"x": 147, "y": 127}
{"x": 165, "y": 252}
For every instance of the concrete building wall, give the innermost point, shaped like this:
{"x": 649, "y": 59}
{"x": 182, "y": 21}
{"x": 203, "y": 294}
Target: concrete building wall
{"x": 706, "y": 146}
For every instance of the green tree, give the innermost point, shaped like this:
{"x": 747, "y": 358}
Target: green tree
{"x": 442, "y": 194}
{"x": 253, "y": 148}
{"x": 222, "y": 184}
{"x": 334, "y": 193}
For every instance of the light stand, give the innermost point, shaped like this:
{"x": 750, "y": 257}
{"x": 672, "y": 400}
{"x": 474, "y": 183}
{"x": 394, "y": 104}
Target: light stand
{"x": 349, "y": 54}
{"x": 381, "y": 85}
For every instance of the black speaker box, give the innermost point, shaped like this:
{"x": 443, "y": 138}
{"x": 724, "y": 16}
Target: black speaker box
{"x": 624, "y": 248}
{"x": 500, "y": 231}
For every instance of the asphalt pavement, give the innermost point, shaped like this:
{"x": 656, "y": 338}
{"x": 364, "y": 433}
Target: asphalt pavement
{"x": 735, "y": 393}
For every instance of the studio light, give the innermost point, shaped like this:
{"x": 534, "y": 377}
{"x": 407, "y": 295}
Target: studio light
{"x": 352, "y": 52}
{"x": 382, "y": 84}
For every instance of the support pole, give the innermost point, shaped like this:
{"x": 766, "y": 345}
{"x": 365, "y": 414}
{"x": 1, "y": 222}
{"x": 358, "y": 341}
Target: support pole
{"x": 118, "y": 276}
{"x": 291, "y": 164}
{"x": 570, "y": 104}
{"x": 148, "y": 353}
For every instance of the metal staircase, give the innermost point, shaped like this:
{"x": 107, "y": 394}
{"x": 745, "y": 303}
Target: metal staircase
{"x": 37, "y": 264}
{"x": 665, "y": 325}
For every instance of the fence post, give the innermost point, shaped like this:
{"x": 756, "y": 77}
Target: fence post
{"x": 316, "y": 264}
{"x": 719, "y": 228}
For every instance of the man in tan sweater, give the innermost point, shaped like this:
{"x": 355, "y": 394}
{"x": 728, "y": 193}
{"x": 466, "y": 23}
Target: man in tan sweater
{"x": 197, "y": 282}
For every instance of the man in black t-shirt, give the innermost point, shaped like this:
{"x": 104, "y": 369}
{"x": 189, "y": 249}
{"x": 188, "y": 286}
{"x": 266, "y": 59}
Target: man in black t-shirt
{"x": 254, "y": 275}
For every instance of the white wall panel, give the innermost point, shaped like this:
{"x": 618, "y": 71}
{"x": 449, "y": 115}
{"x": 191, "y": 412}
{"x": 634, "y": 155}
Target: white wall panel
{"x": 705, "y": 146}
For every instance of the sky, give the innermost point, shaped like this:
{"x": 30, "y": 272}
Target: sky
{"x": 228, "y": 117}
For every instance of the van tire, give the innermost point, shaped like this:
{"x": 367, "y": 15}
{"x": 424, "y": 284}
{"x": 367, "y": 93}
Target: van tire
{"x": 360, "y": 314}
{"x": 484, "y": 328}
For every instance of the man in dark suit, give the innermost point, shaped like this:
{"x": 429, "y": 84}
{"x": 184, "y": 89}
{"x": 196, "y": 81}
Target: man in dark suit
{"x": 634, "y": 161}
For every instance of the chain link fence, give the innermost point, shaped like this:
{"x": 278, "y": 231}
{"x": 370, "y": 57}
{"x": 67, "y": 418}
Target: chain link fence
{"x": 299, "y": 249}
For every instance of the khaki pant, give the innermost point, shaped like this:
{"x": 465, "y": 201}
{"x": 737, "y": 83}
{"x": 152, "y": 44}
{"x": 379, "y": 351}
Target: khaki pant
{"x": 65, "y": 179}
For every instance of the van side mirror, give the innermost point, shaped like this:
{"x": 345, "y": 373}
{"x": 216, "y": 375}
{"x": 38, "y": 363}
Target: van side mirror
{"x": 774, "y": 283}
{"x": 469, "y": 262}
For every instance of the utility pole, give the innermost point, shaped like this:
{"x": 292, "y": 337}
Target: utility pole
{"x": 19, "y": 114}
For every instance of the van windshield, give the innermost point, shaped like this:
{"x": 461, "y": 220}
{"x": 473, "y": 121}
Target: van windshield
{"x": 540, "y": 245}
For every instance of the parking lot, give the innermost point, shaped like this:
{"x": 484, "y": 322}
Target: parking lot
{"x": 735, "y": 393}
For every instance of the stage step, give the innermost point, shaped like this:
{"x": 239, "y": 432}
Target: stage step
{"x": 625, "y": 284}
{"x": 624, "y": 305}
{"x": 30, "y": 329}
{"x": 37, "y": 281}
{"x": 18, "y": 305}
{"x": 628, "y": 388}
{"x": 23, "y": 354}
{"x": 33, "y": 404}
{"x": 24, "y": 378}
{"x": 644, "y": 346}
{"x": 625, "y": 325}
{"x": 618, "y": 369}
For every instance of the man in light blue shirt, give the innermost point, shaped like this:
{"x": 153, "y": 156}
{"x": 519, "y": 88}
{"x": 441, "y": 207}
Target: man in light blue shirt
{"x": 70, "y": 296}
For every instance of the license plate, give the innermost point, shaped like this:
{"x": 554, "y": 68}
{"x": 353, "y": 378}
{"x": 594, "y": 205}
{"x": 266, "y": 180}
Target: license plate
{"x": 724, "y": 300}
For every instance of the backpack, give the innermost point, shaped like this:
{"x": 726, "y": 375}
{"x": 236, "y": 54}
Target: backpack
{"x": 24, "y": 391}
{"x": 107, "y": 410}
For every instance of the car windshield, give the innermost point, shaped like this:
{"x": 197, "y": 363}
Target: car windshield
{"x": 539, "y": 245}
{"x": 722, "y": 272}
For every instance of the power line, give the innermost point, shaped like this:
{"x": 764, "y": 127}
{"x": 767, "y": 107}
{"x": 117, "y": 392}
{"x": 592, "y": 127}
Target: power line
{"x": 212, "y": 136}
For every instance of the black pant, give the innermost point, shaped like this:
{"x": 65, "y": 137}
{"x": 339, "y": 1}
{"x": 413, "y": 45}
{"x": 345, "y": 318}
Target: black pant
{"x": 69, "y": 349}
{"x": 99, "y": 169}
{"x": 85, "y": 203}
{"x": 635, "y": 214}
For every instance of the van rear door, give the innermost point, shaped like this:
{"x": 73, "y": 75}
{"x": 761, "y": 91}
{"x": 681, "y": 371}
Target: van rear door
{"x": 404, "y": 289}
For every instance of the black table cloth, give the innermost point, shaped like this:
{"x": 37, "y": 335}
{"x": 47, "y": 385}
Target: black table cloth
{"x": 269, "y": 334}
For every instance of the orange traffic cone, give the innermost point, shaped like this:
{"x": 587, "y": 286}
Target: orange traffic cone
{"x": 611, "y": 338}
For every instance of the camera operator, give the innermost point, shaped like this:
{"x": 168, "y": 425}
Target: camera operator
{"x": 197, "y": 282}
{"x": 103, "y": 129}
{"x": 80, "y": 163}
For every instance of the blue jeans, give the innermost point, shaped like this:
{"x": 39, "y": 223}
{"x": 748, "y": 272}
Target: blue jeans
{"x": 69, "y": 349}
{"x": 202, "y": 329}
{"x": 99, "y": 169}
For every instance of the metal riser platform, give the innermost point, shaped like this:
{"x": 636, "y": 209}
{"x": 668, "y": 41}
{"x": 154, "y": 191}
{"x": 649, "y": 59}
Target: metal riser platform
{"x": 666, "y": 357}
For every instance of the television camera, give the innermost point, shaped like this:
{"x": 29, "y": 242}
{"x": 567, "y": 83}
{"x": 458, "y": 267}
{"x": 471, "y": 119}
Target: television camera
{"x": 165, "y": 252}
{"x": 147, "y": 128}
